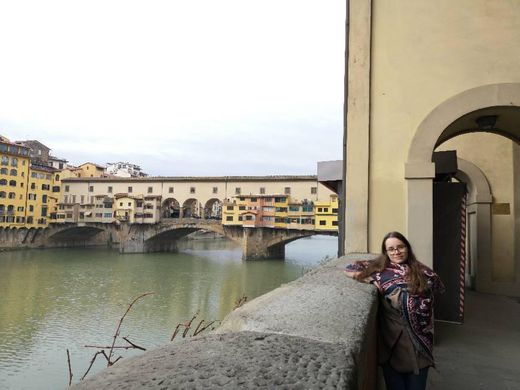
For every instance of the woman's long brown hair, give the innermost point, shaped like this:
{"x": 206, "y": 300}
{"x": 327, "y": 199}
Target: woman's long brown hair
{"x": 416, "y": 279}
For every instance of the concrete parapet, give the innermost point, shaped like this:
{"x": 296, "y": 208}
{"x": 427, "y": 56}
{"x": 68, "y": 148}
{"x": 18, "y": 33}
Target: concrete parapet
{"x": 316, "y": 332}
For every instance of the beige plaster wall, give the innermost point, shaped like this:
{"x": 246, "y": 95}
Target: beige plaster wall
{"x": 493, "y": 154}
{"x": 422, "y": 53}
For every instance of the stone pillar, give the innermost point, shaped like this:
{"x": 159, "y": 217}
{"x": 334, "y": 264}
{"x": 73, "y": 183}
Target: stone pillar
{"x": 255, "y": 244}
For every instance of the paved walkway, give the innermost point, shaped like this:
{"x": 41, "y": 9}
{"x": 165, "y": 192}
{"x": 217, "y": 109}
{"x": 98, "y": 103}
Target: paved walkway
{"x": 484, "y": 352}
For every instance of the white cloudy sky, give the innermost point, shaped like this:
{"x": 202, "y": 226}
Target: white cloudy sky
{"x": 180, "y": 87}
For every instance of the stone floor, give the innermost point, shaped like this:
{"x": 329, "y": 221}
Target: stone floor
{"x": 484, "y": 352}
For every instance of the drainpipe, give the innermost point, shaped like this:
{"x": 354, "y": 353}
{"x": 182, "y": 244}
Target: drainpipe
{"x": 343, "y": 190}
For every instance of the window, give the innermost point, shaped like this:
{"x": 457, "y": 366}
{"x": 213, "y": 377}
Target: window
{"x": 44, "y": 211}
{"x": 320, "y": 209}
{"x": 335, "y": 211}
{"x": 57, "y": 178}
{"x": 65, "y": 199}
{"x": 55, "y": 188}
{"x": 33, "y": 186}
{"x": 14, "y": 172}
{"x": 130, "y": 190}
{"x": 4, "y": 171}
{"x": 254, "y": 200}
{"x": 20, "y": 208}
{"x": 229, "y": 208}
{"x": 99, "y": 215}
{"x": 107, "y": 215}
{"x": 3, "y": 182}
{"x": 229, "y": 218}
{"x": 67, "y": 188}
{"x": 279, "y": 199}
{"x": 322, "y": 223}
{"x": 237, "y": 191}
{"x": 334, "y": 223}
{"x": 129, "y": 204}
{"x": 12, "y": 195}
{"x": 109, "y": 189}
{"x": 150, "y": 190}
{"x": 287, "y": 191}
{"x": 2, "y": 194}
{"x": 241, "y": 208}
{"x": 12, "y": 183}
{"x": 46, "y": 187}
{"x": 314, "y": 190}
{"x": 170, "y": 190}
{"x": 262, "y": 190}
{"x": 325, "y": 209}
{"x": 90, "y": 188}
{"x": 215, "y": 190}
{"x": 73, "y": 199}
{"x": 82, "y": 199}
{"x": 192, "y": 190}
{"x": 139, "y": 203}
{"x": 14, "y": 162}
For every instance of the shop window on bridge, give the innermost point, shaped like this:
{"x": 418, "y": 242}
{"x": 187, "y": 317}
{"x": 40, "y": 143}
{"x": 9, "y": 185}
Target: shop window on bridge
{"x": 12, "y": 195}
{"x": 44, "y": 198}
{"x": 2, "y": 194}
{"x": 44, "y": 211}
{"x": 320, "y": 209}
{"x": 41, "y": 221}
{"x": 139, "y": 204}
{"x": 30, "y": 220}
{"x": 107, "y": 215}
{"x": 335, "y": 211}
{"x": 56, "y": 189}
{"x": 148, "y": 215}
{"x": 12, "y": 183}
{"x": 3, "y": 182}
{"x": 322, "y": 223}
{"x": 46, "y": 187}
{"x": 4, "y": 171}
{"x": 230, "y": 208}
{"x": 14, "y": 162}
{"x": 334, "y": 223}
{"x": 241, "y": 208}
{"x": 254, "y": 200}
{"x": 229, "y": 218}
{"x": 99, "y": 215}
{"x": 279, "y": 199}
{"x": 31, "y": 208}
{"x": 5, "y": 160}
{"x": 250, "y": 218}
{"x": 294, "y": 208}
{"x": 32, "y": 196}
{"x": 240, "y": 218}
{"x": 13, "y": 172}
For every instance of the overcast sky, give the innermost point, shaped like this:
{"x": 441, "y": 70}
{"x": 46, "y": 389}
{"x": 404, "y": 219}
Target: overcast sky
{"x": 180, "y": 87}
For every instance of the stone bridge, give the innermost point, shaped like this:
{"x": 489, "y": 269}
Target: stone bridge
{"x": 256, "y": 243}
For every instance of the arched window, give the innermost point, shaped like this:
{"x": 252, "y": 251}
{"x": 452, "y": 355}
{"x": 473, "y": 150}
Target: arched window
{"x": 57, "y": 178}
{"x": 3, "y": 182}
{"x": 10, "y": 208}
{"x": 12, "y": 183}
{"x": 14, "y": 172}
{"x": 2, "y": 194}
{"x": 2, "y": 208}
{"x": 4, "y": 171}
{"x": 5, "y": 160}
{"x": 14, "y": 162}
{"x": 12, "y": 195}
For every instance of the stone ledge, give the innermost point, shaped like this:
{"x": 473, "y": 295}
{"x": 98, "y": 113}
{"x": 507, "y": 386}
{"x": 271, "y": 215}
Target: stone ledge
{"x": 315, "y": 332}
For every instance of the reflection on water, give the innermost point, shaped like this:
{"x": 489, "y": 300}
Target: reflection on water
{"x": 52, "y": 300}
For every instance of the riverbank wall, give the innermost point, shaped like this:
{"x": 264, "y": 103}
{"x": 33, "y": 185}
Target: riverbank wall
{"x": 318, "y": 331}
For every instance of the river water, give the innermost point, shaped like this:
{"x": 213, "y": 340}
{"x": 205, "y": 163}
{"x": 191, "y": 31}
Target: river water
{"x": 57, "y": 299}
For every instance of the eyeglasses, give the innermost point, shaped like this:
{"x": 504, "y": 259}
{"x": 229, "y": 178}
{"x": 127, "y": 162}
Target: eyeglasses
{"x": 398, "y": 248}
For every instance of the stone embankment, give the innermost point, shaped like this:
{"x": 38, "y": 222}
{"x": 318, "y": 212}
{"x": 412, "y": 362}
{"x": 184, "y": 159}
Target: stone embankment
{"x": 315, "y": 332}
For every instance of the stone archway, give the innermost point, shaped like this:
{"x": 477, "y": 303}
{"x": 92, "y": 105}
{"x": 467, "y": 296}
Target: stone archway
{"x": 419, "y": 168}
{"x": 213, "y": 209}
{"x": 171, "y": 208}
{"x": 191, "y": 208}
{"x": 478, "y": 211}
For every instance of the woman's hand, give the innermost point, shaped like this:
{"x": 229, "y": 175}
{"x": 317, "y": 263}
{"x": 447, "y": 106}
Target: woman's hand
{"x": 352, "y": 274}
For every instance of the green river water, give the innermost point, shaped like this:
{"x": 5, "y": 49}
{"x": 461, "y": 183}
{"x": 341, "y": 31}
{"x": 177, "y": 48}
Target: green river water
{"x": 57, "y": 299}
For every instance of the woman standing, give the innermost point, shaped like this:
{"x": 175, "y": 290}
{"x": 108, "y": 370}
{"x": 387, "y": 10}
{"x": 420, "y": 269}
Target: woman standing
{"x": 405, "y": 333}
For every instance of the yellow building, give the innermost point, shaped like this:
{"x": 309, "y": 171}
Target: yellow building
{"x": 89, "y": 169}
{"x": 326, "y": 214}
{"x": 43, "y": 192}
{"x": 231, "y": 211}
{"x": 14, "y": 170}
{"x": 281, "y": 206}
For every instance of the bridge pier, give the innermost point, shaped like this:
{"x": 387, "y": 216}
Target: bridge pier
{"x": 265, "y": 243}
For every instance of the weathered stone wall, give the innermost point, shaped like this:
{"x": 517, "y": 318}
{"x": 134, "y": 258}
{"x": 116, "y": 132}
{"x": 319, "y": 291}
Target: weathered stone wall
{"x": 316, "y": 332}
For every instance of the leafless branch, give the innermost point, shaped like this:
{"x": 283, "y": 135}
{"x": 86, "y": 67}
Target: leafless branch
{"x": 118, "y": 330}
{"x": 133, "y": 345}
{"x": 70, "y": 368}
